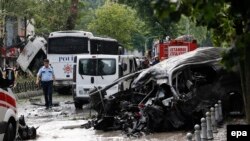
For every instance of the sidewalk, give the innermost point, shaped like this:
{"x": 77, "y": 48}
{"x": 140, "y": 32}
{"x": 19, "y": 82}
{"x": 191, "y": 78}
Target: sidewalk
{"x": 222, "y": 131}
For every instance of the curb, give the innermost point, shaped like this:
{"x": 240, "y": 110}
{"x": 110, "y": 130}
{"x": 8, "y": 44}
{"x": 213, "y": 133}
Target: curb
{"x": 28, "y": 94}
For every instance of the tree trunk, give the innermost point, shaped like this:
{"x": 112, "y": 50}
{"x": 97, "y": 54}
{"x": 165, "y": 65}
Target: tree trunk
{"x": 245, "y": 82}
{"x": 246, "y": 78}
{"x": 71, "y": 21}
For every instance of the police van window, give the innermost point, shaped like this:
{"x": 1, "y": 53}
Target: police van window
{"x": 103, "y": 47}
{"x": 97, "y": 67}
{"x": 68, "y": 45}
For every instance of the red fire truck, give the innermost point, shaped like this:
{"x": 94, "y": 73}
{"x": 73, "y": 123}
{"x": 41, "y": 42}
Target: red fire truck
{"x": 170, "y": 48}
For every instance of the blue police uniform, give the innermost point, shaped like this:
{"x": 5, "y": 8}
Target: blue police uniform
{"x": 46, "y": 77}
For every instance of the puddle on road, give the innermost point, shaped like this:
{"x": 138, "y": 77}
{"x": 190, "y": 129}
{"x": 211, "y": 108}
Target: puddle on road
{"x": 51, "y": 123}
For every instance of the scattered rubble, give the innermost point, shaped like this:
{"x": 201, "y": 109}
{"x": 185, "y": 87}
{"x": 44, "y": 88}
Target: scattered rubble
{"x": 24, "y": 131}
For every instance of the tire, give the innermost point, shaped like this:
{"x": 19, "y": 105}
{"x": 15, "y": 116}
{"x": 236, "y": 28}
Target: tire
{"x": 236, "y": 107}
{"x": 64, "y": 90}
{"x": 10, "y": 133}
{"x": 232, "y": 102}
{"x": 78, "y": 105}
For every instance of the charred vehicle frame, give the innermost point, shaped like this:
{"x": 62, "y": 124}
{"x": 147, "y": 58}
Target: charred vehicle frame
{"x": 173, "y": 94}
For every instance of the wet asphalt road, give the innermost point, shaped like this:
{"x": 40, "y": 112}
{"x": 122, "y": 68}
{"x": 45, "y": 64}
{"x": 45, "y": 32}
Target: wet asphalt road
{"x": 51, "y": 123}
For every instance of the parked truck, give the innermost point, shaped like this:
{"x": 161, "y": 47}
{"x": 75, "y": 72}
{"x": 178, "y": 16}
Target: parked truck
{"x": 169, "y": 48}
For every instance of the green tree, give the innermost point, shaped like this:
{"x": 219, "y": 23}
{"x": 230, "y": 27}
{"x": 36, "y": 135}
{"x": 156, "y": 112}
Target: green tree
{"x": 49, "y": 15}
{"x": 87, "y": 12}
{"x": 71, "y": 20}
{"x": 155, "y": 26}
{"x": 230, "y": 23}
{"x": 117, "y": 21}
{"x": 187, "y": 26}
{"x": 166, "y": 26}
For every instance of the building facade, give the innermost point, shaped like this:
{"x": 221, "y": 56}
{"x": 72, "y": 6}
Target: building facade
{"x": 13, "y": 31}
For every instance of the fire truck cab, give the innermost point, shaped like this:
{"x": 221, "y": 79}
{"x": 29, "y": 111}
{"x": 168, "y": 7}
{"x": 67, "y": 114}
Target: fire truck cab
{"x": 169, "y": 48}
{"x": 8, "y": 109}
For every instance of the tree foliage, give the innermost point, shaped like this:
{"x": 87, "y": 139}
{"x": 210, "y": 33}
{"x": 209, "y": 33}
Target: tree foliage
{"x": 87, "y": 12}
{"x": 155, "y": 26}
{"x": 186, "y": 26}
{"x": 168, "y": 26}
{"x": 49, "y": 15}
{"x": 117, "y": 21}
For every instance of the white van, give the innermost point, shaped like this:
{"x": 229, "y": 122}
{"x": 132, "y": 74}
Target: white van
{"x": 8, "y": 109}
{"x": 96, "y": 71}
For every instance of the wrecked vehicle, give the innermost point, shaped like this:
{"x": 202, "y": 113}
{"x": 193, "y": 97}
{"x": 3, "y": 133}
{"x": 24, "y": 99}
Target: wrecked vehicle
{"x": 12, "y": 128}
{"x": 24, "y": 131}
{"x": 172, "y": 94}
{"x": 33, "y": 54}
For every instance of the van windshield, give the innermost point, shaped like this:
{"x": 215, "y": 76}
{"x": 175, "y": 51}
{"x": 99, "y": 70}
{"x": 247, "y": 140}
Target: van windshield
{"x": 97, "y": 66}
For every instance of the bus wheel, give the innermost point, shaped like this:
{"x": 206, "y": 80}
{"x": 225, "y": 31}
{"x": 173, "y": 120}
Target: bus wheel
{"x": 78, "y": 105}
{"x": 64, "y": 90}
{"x": 10, "y": 133}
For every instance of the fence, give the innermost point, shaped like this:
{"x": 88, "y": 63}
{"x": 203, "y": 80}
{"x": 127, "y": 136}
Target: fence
{"x": 25, "y": 86}
{"x": 26, "y": 89}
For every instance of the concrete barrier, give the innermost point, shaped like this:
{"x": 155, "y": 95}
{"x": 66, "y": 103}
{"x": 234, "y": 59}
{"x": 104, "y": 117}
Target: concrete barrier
{"x": 203, "y": 129}
{"x": 214, "y": 124}
{"x": 197, "y": 132}
{"x": 217, "y": 118}
{"x": 220, "y": 110}
{"x": 189, "y": 136}
{"x": 209, "y": 126}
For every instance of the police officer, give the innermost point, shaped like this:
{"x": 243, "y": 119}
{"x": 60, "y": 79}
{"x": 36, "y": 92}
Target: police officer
{"x": 4, "y": 83}
{"x": 156, "y": 60}
{"x": 46, "y": 76}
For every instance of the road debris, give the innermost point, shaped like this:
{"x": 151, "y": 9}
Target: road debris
{"x": 24, "y": 131}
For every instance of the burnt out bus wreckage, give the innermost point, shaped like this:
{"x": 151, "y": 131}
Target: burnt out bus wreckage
{"x": 172, "y": 94}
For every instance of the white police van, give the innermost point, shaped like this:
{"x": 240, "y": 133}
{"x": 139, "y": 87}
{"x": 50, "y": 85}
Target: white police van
{"x": 8, "y": 108}
{"x": 99, "y": 70}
